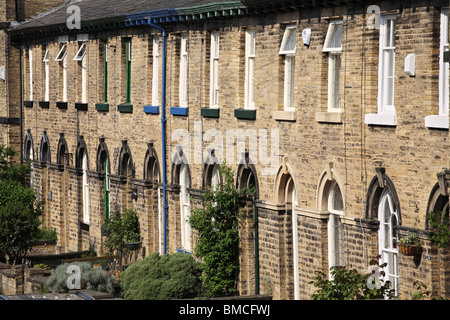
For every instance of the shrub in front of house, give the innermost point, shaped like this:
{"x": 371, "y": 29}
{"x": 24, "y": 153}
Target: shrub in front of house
{"x": 162, "y": 277}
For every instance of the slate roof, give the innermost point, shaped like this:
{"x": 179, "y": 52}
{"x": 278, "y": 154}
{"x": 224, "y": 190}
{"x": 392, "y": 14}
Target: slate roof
{"x": 96, "y": 12}
{"x": 92, "y": 10}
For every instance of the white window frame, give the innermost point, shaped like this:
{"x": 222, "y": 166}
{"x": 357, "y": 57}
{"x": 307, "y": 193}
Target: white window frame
{"x": 62, "y": 57}
{"x": 46, "y": 61}
{"x": 334, "y": 68}
{"x": 183, "y": 71}
{"x": 185, "y": 207}
{"x": 289, "y": 67}
{"x": 291, "y": 196}
{"x": 30, "y": 66}
{"x": 155, "y": 75}
{"x": 81, "y": 56}
{"x": 441, "y": 120}
{"x": 86, "y": 211}
{"x": 214, "y": 71}
{"x": 336, "y": 254}
{"x": 386, "y": 72}
{"x": 388, "y": 250}
{"x": 250, "y": 54}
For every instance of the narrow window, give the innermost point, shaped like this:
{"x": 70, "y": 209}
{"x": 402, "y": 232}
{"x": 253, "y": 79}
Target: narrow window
{"x": 107, "y": 188}
{"x": 387, "y": 237}
{"x": 183, "y": 72}
{"x": 335, "y": 227}
{"x": 105, "y": 72}
{"x": 249, "y": 91}
{"x": 443, "y": 67}
{"x": 288, "y": 49}
{"x": 185, "y": 208}
{"x": 30, "y": 72}
{"x": 386, "y": 66}
{"x": 441, "y": 119}
{"x": 61, "y": 58}
{"x": 128, "y": 68}
{"x": 214, "y": 72}
{"x": 46, "y": 61}
{"x": 333, "y": 46}
{"x": 81, "y": 58}
{"x": 85, "y": 188}
{"x": 155, "y": 76}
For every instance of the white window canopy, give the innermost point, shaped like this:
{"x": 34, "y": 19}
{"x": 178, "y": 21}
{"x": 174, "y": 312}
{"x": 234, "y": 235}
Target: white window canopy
{"x": 333, "y": 40}
{"x": 62, "y": 53}
{"x": 81, "y": 53}
{"x": 288, "y": 45}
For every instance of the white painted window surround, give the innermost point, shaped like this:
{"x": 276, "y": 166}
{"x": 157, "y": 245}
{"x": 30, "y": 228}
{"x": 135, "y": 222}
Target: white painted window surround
{"x": 214, "y": 71}
{"x": 441, "y": 120}
{"x": 386, "y": 114}
{"x": 250, "y": 53}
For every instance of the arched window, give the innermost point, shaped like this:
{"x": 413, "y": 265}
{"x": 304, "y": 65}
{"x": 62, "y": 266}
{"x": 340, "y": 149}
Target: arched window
{"x": 181, "y": 176}
{"x": 185, "y": 206}
{"x": 103, "y": 165}
{"x": 387, "y": 237}
{"x": 86, "y": 212}
{"x": 29, "y": 154}
{"x": 45, "y": 148}
{"x": 383, "y": 205}
{"x": 152, "y": 173}
{"x": 82, "y": 162}
{"x": 286, "y": 193}
{"x": 437, "y": 203}
{"x": 125, "y": 161}
{"x": 336, "y": 252}
{"x": 62, "y": 155}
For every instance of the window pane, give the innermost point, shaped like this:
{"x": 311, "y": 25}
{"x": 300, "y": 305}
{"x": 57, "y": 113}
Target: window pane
{"x": 336, "y": 37}
{"x": 290, "y": 41}
{"x": 338, "y": 203}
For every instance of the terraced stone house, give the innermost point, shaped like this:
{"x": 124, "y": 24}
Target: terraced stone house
{"x": 335, "y": 111}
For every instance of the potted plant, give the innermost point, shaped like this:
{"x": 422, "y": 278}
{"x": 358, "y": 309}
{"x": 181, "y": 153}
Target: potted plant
{"x": 131, "y": 235}
{"x": 409, "y": 245}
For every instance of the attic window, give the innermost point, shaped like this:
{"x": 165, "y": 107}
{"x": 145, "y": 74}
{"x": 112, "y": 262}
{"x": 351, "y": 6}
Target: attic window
{"x": 62, "y": 53}
{"x": 288, "y": 45}
{"x": 333, "y": 41}
{"x": 81, "y": 53}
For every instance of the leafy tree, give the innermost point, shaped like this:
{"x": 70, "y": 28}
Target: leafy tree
{"x": 217, "y": 238}
{"x": 19, "y": 210}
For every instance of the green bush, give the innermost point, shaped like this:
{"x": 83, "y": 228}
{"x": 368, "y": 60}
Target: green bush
{"x": 162, "y": 277}
{"x": 94, "y": 278}
{"x": 348, "y": 284}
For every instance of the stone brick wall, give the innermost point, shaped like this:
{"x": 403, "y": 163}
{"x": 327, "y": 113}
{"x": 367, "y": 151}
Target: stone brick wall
{"x": 352, "y": 150}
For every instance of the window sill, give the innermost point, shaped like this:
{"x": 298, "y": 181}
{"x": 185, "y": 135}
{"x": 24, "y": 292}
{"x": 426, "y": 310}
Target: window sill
{"x": 61, "y": 105}
{"x": 81, "y": 106}
{"x": 125, "y": 108}
{"x": 285, "y": 115}
{"x": 245, "y": 114}
{"x": 210, "y": 113}
{"x": 102, "y": 107}
{"x": 329, "y": 117}
{"x": 179, "y": 111}
{"x": 44, "y": 104}
{"x": 437, "y": 122}
{"x": 381, "y": 119}
{"x": 151, "y": 109}
{"x": 28, "y": 104}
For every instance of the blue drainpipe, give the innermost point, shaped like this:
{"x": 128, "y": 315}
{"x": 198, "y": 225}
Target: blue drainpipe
{"x": 147, "y": 21}
{"x": 163, "y": 133}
